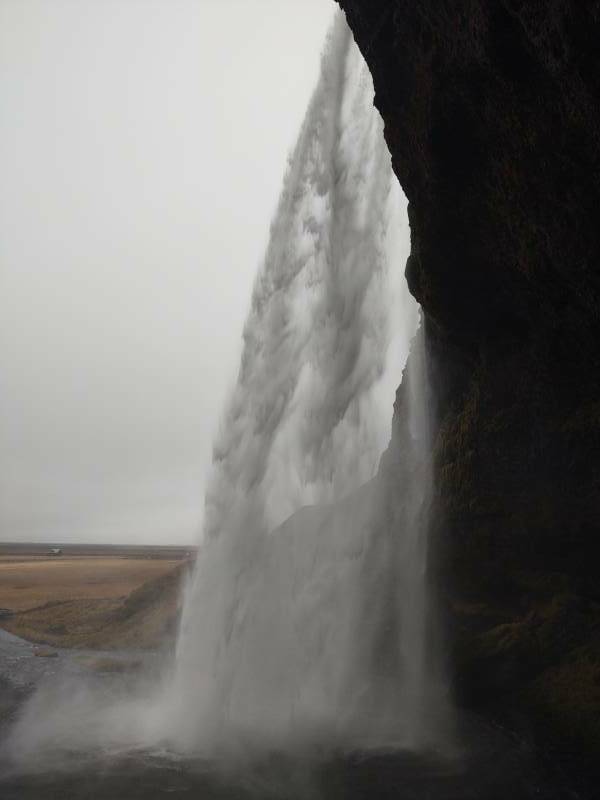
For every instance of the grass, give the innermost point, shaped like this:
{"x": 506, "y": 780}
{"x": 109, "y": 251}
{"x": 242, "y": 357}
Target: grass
{"x": 91, "y": 601}
{"x": 27, "y": 582}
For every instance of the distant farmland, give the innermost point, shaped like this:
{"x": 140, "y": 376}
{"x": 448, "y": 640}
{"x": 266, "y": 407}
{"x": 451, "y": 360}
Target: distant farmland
{"x": 92, "y": 595}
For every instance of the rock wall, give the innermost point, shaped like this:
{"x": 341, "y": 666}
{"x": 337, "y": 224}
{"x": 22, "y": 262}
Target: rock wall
{"x": 492, "y": 116}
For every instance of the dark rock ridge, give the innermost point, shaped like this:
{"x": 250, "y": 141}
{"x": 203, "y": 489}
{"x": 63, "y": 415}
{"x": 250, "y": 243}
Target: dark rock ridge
{"x": 492, "y": 117}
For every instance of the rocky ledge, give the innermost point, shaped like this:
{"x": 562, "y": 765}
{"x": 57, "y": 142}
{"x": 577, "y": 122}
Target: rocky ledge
{"x": 492, "y": 117}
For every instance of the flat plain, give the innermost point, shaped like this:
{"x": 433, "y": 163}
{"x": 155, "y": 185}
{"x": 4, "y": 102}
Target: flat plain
{"x": 91, "y": 597}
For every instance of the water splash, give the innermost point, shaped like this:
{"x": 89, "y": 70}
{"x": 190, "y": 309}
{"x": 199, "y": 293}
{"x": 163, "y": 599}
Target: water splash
{"x": 306, "y": 622}
{"x": 307, "y": 616}
{"x": 330, "y": 322}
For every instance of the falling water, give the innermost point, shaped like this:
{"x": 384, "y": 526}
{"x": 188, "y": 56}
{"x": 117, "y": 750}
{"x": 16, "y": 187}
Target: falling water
{"x": 306, "y": 616}
{"x": 306, "y": 620}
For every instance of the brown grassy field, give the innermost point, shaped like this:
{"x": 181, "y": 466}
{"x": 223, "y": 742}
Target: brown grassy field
{"x": 100, "y": 601}
{"x": 32, "y": 581}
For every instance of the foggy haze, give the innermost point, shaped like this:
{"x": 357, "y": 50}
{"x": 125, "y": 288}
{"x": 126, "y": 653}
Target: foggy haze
{"x": 142, "y": 148}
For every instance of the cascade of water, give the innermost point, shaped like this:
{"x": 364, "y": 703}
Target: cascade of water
{"x": 329, "y": 322}
{"x": 307, "y": 615}
{"x": 312, "y": 619}
{"x": 409, "y": 486}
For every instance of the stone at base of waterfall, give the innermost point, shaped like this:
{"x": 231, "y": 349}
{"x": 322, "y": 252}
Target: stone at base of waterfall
{"x": 45, "y": 652}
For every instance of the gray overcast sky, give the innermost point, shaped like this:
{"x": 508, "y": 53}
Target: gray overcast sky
{"x": 142, "y": 148}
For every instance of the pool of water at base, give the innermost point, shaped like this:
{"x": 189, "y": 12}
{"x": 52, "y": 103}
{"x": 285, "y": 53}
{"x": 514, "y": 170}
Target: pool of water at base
{"x": 494, "y": 766}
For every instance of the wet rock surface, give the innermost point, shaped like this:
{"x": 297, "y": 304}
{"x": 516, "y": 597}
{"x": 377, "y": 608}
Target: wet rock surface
{"x": 492, "y": 116}
{"x": 486, "y": 762}
{"x": 19, "y": 667}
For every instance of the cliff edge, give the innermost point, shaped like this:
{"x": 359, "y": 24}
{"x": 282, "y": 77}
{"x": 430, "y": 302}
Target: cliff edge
{"x": 492, "y": 117}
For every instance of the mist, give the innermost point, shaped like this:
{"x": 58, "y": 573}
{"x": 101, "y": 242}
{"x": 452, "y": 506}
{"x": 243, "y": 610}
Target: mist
{"x": 132, "y": 222}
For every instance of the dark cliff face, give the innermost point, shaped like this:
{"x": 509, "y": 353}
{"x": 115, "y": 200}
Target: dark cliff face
{"x": 492, "y": 116}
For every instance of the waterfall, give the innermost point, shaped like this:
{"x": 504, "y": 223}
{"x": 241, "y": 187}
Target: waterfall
{"x": 306, "y": 617}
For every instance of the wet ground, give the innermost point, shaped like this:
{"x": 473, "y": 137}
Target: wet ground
{"x": 384, "y": 776}
{"x": 493, "y": 766}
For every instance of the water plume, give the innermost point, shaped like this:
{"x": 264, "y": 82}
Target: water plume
{"x": 306, "y": 623}
{"x": 330, "y": 322}
{"x": 307, "y": 617}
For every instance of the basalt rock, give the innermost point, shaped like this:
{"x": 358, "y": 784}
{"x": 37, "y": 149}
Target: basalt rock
{"x": 492, "y": 117}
